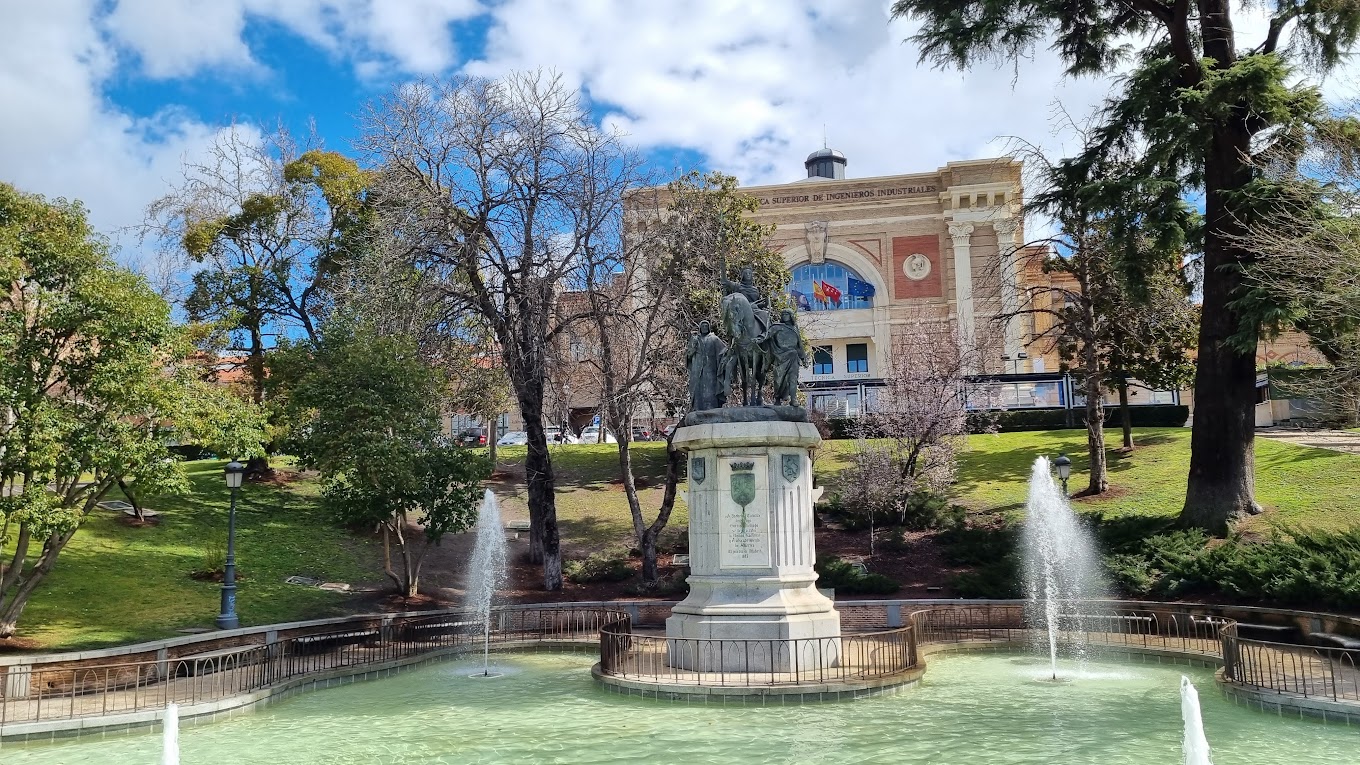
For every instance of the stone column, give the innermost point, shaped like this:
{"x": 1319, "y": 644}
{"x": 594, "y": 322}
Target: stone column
{"x": 1006, "y": 245}
{"x": 961, "y": 233}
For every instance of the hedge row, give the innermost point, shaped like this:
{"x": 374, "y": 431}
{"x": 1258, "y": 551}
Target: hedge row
{"x": 1157, "y": 416}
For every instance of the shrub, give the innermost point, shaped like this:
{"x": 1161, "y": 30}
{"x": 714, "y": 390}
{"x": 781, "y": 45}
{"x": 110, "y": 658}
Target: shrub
{"x": 1299, "y": 568}
{"x": 670, "y": 585}
{"x": 1155, "y": 416}
{"x": 978, "y": 545}
{"x": 598, "y": 567}
{"x": 998, "y": 580}
{"x": 845, "y": 578}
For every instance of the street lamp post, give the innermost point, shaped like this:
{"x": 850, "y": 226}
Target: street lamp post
{"x": 1064, "y": 465}
{"x": 227, "y": 619}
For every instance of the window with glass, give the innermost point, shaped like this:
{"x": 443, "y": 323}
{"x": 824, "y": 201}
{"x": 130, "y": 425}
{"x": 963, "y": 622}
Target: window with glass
{"x": 857, "y": 357}
{"x": 821, "y": 360}
{"x": 829, "y": 286}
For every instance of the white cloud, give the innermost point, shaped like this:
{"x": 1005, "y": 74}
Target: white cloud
{"x": 62, "y": 138}
{"x": 176, "y": 38}
{"x": 182, "y": 38}
{"x": 751, "y": 85}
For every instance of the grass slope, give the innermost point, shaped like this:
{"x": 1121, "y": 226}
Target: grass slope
{"x": 1298, "y": 486}
{"x": 118, "y": 584}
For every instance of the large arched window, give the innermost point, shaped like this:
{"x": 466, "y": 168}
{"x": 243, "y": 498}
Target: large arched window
{"x": 829, "y": 286}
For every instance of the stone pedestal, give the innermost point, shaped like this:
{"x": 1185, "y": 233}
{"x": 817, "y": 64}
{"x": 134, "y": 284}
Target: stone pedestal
{"x": 752, "y": 584}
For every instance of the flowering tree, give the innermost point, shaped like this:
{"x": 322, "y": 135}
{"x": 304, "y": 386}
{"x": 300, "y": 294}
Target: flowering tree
{"x": 909, "y": 443}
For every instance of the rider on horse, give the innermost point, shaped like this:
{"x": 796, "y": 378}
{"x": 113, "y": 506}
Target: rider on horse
{"x": 745, "y": 316}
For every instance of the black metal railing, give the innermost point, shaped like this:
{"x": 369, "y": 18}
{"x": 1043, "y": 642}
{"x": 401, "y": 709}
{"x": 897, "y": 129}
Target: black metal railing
{"x": 1094, "y": 623}
{"x": 849, "y": 658}
{"x": 1285, "y": 668}
{"x": 89, "y": 690}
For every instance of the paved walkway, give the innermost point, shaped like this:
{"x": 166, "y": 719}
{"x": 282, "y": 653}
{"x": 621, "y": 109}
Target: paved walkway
{"x": 1347, "y": 441}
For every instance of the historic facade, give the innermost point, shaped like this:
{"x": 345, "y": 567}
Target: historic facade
{"x": 870, "y": 254}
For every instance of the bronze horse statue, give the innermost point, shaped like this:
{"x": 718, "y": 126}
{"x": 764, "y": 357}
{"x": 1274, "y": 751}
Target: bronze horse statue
{"x": 746, "y": 361}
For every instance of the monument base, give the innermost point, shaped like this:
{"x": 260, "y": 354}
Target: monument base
{"x": 753, "y": 603}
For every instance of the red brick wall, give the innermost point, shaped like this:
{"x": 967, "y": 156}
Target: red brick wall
{"x": 929, "y": 287}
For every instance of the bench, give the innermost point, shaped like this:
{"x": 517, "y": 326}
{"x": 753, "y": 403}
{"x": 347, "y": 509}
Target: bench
{"x": 426, "y": 631}
{"x": 1272, "y": 633}
{"x": 1333, "y": 640}
{"x": 313, "y": 644}
{"x": 208, "y": 662}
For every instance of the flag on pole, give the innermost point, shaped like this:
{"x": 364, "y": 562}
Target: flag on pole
{"x": 800, "y": 300}
{"x": 817, "y": 293}
{"x": 832, "y": 294}
{"x": 858, "y": 288}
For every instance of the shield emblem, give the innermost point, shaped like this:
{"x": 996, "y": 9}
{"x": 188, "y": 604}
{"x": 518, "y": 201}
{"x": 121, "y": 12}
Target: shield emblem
{"x": 791, "y": 464}
{"x": 743, "y": 485}
{"x": 697, "y": 470}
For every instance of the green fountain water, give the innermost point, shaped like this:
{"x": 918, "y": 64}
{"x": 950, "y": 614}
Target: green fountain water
{"x": 970, "y": 708}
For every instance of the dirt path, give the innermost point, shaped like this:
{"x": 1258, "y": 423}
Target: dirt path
{"x": 1336, "y": 440}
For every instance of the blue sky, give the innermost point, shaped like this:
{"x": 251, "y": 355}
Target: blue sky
{"x": 106, "y": 99}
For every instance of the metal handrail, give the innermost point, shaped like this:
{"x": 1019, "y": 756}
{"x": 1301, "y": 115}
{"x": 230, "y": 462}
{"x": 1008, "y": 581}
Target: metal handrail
{"x": 54, "y": 693}
{"x": 1286, "y": 668}
{"x": 848, "y": 658}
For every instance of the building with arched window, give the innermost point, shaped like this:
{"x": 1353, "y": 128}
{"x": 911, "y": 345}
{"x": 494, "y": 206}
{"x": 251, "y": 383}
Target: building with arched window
{"x": 868, "y": 255}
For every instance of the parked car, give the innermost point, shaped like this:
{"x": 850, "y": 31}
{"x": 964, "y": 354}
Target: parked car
{"x": 642, "y": 434}
{"x": 513, "y": 438}
{"x": 471, "y": 437}
{"x": 591, "y": 435}
{"x": 559, "y": 436}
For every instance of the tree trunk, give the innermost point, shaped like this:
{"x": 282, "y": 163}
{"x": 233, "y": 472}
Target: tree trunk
{"x": 1095, "y": 428}
{"x": 544, "y": 541}
{"x": 14, "y": 604}
{"x": 1221, "y": 482}
{"x": 1125, "y": 417}
{"x": 132, "y": 499}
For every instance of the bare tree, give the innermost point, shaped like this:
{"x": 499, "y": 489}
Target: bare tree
{"x": 646, "y": 295}
{"x": 1108, "y": 298}
{"x": 920, "y": 420}
{"x": 500, "y": 188}
{"x": 1308, "y": 255}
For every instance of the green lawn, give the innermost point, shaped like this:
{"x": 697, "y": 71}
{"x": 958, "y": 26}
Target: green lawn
{"x": 118, "y": 584}
{"x": 591, "y": 506}
{"x": 1298, "y": 486}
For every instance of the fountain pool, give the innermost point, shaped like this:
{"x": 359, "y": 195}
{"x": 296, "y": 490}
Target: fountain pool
{"x": 988, "y": 708}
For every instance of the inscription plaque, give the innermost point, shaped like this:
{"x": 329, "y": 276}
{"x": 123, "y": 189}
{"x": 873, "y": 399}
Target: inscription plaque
{"x": 744, "y": 513}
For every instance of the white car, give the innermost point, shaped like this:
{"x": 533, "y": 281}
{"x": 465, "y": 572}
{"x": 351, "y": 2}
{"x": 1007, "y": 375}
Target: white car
{"x": 591, "y": 435}
{"x": 513, "y": 438}
{"x": 558, "y": 436}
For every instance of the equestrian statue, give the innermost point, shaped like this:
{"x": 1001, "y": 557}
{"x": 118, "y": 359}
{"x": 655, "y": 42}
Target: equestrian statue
{"x": 745, "y": 318}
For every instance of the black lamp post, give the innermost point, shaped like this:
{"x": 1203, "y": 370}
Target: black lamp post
{"x": 227, "y": 619}
{"x": 1064, "y": 465}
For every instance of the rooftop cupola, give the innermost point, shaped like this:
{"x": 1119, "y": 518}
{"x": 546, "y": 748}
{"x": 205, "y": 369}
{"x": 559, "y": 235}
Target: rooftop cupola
{"x": 826, "y": 163}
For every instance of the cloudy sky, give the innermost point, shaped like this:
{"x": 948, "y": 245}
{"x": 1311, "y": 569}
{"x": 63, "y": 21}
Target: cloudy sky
{"x": 104, "y": 99}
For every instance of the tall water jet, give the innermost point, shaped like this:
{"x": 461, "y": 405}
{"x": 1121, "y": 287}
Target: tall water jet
{"x": 170, "y": 735}
{"x": 486, "y": 570}
{"x": 1194, "y": 746}
{"x": 1062, "y": 567}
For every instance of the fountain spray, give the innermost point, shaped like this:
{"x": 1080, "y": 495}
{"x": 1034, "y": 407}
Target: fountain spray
{"x": 486, "y": 570}
{"x": 1194, "y": 746}
{"x": 170, "y": 735}
{"x": 1062, "y": 567}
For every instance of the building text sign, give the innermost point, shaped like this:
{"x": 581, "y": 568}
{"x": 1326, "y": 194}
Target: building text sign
{"x": 845, "y": 196}
{"x": 743, "y": 512}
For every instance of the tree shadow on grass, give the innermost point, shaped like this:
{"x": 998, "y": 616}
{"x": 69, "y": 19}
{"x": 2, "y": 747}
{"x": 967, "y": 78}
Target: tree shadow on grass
{"x": 1127, "y": 532}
